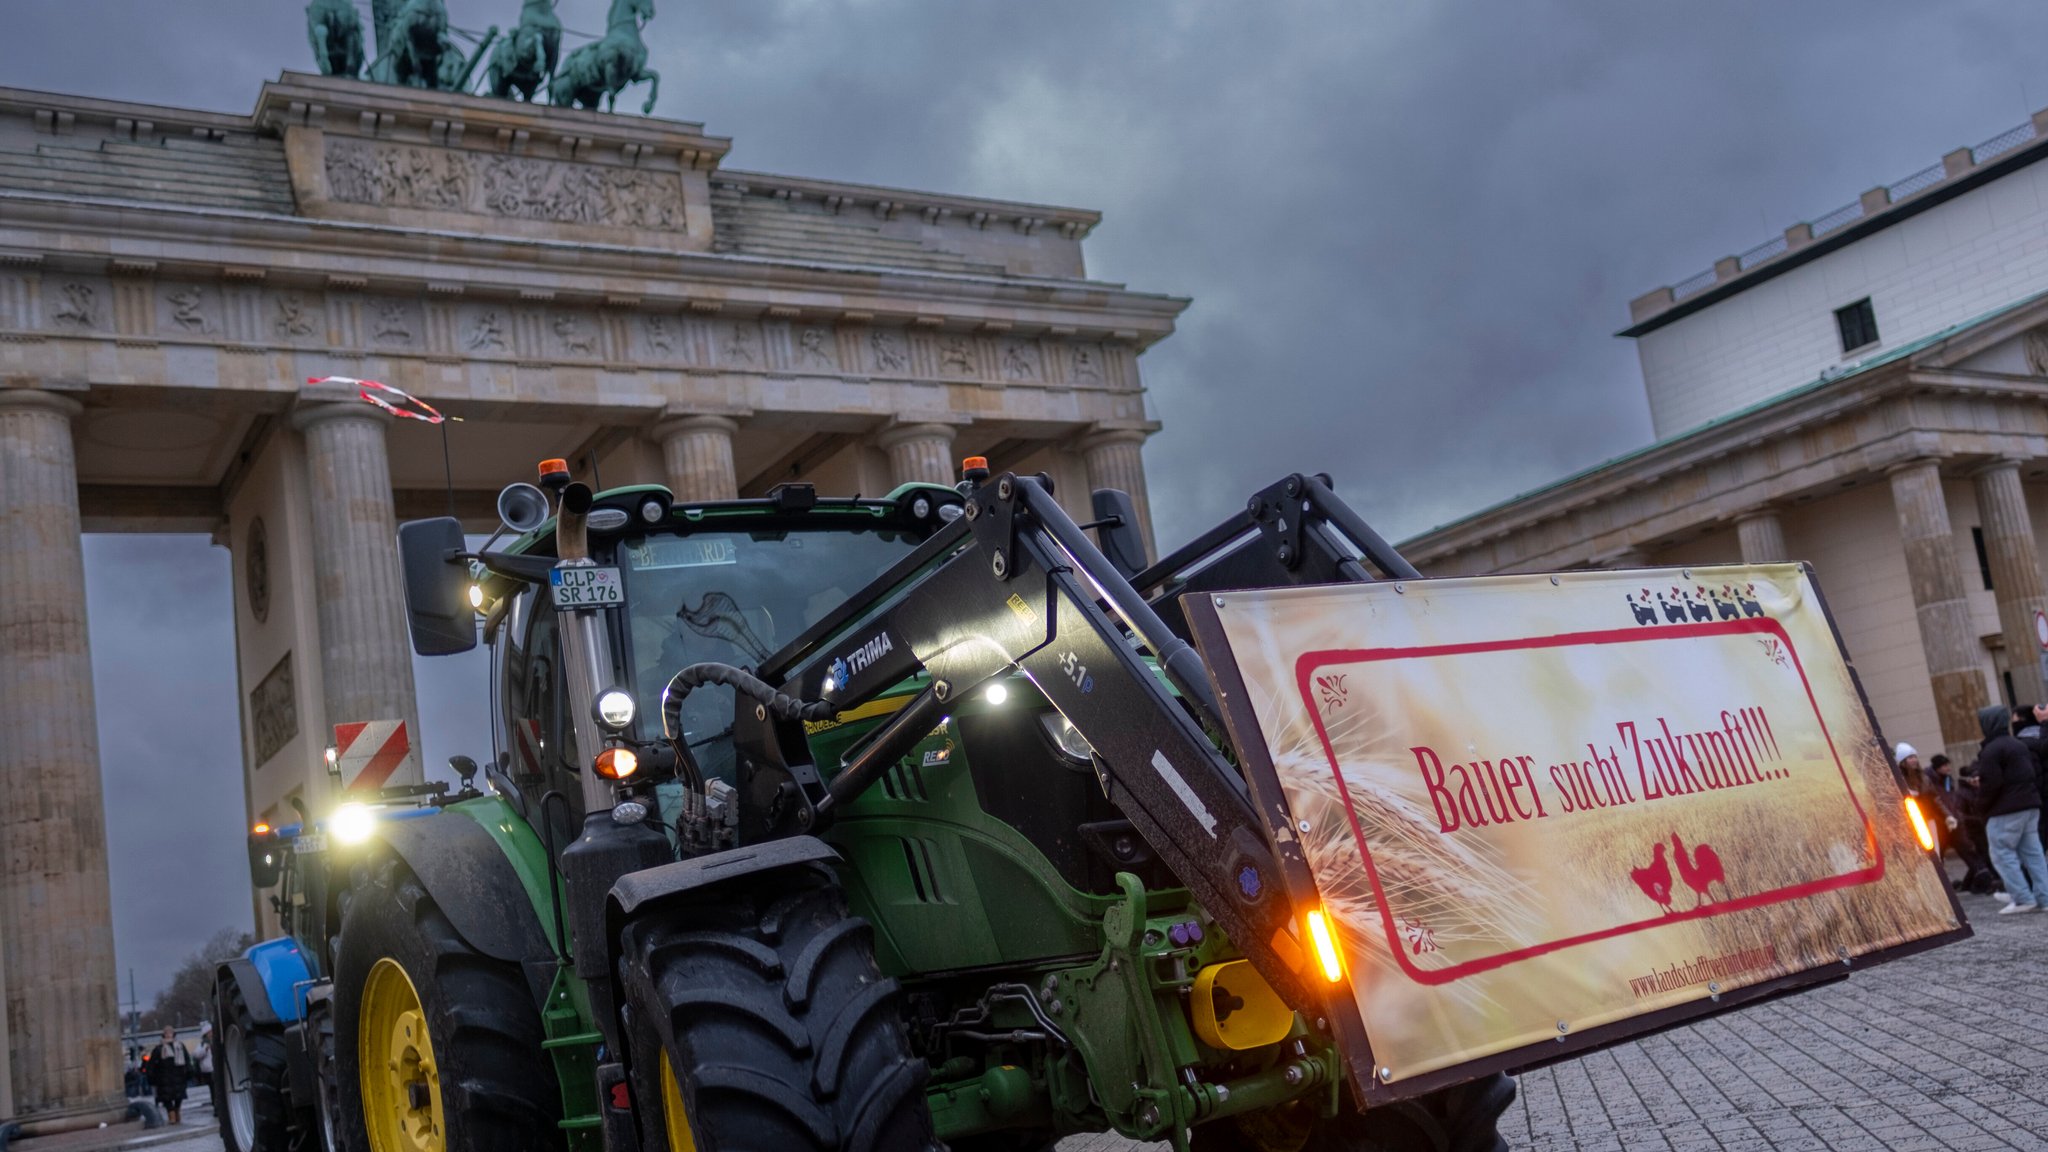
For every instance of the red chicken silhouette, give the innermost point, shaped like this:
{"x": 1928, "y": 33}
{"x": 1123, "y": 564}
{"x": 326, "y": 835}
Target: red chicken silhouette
{"x": 1655, "y": 880}
{"x": 1702, "y": 871}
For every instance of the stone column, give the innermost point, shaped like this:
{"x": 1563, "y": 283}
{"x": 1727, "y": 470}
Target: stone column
{"x": 919, "y": 453}
{"x": 1940, "y": 602}
{"x": 56, "y": 923}
{"x": 1762, "y": 537}
{"x": 698, "y": 452}
{"x": 2015, "y": 573}
{"x": 365, "y": 654}
{"x": 1113, "y": 462}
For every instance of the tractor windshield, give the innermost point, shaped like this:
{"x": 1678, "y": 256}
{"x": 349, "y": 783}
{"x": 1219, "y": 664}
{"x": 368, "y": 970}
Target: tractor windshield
{"x": 736, "y": 597}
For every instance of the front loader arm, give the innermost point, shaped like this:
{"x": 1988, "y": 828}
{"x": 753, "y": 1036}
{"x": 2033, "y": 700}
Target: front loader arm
{"x": 1015, "y": 584}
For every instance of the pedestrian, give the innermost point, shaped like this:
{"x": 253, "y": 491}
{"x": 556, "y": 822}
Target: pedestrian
{"x": 1964, "y": 832}
{"x": 2009, "y": 796}
{"x": 206, "y": 1048}
{"x": 171, "y": 1066}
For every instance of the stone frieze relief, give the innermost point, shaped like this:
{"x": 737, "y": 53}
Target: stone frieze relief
{"x": 521, "y": 187}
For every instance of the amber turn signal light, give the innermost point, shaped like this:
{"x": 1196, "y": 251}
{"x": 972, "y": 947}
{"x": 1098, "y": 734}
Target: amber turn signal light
{"x": 616, "y": 763}
{"x": 1325, "y": 945}
{"x": 261, "y": 829}
{"x": 1921, "y": 828}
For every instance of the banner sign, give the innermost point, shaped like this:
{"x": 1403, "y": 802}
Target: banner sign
{"x": 1538, "y": 805}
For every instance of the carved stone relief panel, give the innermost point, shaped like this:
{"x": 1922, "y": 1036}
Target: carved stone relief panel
{"x": 1085, "y": 365}
{"x": 520, "y": 187}
{"x": 295, "y": 316}
{"x": 483, "y": 330}
{"x": 958, "y": 355}
{"x": 187, "y": 309}
{"x": 394, "y": 323}
{"x": 2037, "y": 351}
{"x": 665, "y": 339}
{"x": 273, "y": 712}
{"x": 814, "y": 348}
{"x": 739, "y": 344}
{"x": 76, "y": 304}
{"x": 888, "y": 352}
{"x": 1020, "y": 360}
{"x": 575, "y": 334}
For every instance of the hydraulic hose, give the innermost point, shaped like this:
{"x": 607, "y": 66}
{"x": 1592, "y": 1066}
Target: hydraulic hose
{"x": 782, "y": 706}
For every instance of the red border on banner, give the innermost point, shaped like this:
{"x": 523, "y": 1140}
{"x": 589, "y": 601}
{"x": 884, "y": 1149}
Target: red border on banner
{"x": 1309, "y": 662}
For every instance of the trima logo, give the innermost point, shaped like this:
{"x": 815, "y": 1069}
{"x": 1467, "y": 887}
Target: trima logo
{"x": 858, "y": 660}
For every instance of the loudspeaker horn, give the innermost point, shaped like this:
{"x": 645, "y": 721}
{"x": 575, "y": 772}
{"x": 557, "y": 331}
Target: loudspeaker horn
{"x": 522, "y": 507}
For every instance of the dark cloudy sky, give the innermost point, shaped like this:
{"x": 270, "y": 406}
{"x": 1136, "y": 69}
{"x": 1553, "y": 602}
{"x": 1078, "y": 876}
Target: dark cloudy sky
{"x": 1409, "y": 229}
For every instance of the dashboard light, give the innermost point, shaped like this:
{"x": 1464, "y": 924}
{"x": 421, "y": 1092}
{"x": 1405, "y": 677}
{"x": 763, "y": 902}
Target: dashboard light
{"x": 352, "y": 823}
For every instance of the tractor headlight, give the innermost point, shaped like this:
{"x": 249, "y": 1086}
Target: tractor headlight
{"x": 1067, "y": 737}
{"x": 352, "y": 823}
{"x": 920, "y": 507}
{"x": 652, "y": 510}
{"x": 615, "y": 708}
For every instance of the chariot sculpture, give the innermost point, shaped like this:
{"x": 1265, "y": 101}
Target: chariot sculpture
{"x": 416, "y": 47}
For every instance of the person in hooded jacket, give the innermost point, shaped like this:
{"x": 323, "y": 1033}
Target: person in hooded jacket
{"x": 2009, "y": 795}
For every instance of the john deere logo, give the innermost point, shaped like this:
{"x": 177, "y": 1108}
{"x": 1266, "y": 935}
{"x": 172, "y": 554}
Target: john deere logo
{"x": 836, "y": 674}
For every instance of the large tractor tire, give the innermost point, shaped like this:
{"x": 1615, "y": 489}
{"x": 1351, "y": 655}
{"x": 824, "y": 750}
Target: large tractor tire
{"x": 437, "y": 1047}
{"x": 1461, "y": 1119}
{"x": 760, "y": 1023}
{"x": 250, "y": 1078}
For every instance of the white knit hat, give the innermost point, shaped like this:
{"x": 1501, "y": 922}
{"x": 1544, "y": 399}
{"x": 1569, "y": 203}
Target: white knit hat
{"x": 1904, "y": 750}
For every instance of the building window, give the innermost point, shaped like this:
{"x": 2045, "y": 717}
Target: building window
{"x": 1858, "y": 325}
{"x": 1983, "y": 557}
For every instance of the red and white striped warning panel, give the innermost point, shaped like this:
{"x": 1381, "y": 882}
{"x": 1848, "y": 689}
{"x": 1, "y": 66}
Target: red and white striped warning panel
{"x": 526, "y": 738}
{"x": 369, "y": 752}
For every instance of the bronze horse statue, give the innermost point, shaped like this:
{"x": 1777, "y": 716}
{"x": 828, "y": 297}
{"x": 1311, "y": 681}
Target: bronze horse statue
{"x": 412, "y": 45}
{"x": 600, "y": 70}
{"x": 336, "y": 30}
{"x": 526, "y": 58}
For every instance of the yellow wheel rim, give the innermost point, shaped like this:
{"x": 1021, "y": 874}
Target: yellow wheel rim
{"x": 680, "y": 1138}
{"x": 401, "y": 1081}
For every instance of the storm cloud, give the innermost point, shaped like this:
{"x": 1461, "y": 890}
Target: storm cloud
{"x": 1409, "y": 230}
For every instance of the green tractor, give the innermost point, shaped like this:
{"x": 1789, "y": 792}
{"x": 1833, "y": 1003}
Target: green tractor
{"x": 895, "y": 823}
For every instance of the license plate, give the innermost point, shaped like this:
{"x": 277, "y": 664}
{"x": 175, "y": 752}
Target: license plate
{"x": 310, "y": 842}
{"x": 586, "y": 587}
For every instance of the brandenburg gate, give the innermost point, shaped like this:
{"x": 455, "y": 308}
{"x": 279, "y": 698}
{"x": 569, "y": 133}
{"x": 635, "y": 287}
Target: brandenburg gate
{"x": 567, "y": 282}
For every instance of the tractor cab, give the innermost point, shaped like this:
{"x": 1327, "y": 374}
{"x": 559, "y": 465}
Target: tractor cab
{"x": 730, "y": 582}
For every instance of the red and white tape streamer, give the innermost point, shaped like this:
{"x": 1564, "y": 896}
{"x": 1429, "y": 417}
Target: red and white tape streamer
{"x": 396, "y": 401}
{"x": 370, "y": 752}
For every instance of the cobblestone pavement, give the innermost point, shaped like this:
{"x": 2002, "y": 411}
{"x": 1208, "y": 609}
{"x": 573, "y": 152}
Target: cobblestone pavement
{"x": 1942, "y": 1052}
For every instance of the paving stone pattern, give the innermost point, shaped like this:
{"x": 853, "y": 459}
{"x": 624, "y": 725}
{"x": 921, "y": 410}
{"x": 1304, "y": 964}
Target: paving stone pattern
{"x": 1942, "y": 1052}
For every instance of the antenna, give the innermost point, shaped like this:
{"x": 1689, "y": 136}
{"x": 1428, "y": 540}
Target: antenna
{"x": 448, "y": 469}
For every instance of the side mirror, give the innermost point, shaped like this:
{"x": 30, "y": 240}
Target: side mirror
{"x": 1122, "y": 541}
{"x": 266, "y": 860}
{"x": 437, "y": 608}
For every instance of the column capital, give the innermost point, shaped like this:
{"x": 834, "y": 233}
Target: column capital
{"x": 1997, "y": 464}
{"x": 1909, "y": 465}
{"x": 678, "y": 424}
{"x": 1760, "y": 512}
{"x": 1100, "y": 437}
{"x": 306, "y": 415}
{"x": 62, "y": 405}
{"x": 902, "y": 433}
